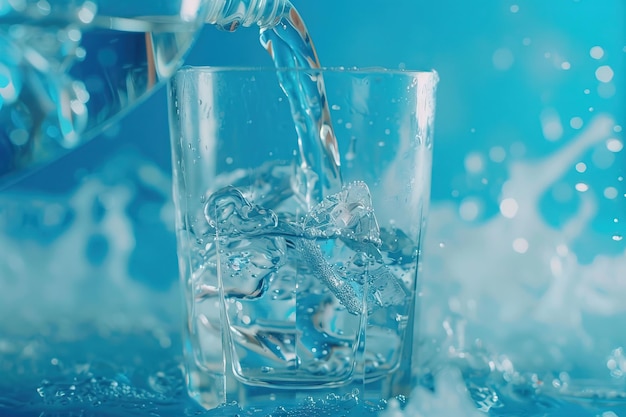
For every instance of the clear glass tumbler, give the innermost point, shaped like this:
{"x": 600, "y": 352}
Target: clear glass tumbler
{"x": 299, "y": 261}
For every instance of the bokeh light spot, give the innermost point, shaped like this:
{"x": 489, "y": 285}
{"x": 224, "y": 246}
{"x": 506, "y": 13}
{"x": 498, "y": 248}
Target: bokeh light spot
{"x": 474, "y": 162}
{"x": 520, "y": 245}
{"x": 596, "y": 52}
{"x": 497, "y": 154}
{"x": 610, "y": 193}
{"x": 604, "y": 73}
{"x": 576, "y": 122}
{"x": 581, "y": 187}
{"x": 508, "y": 208}
{"x": 614, "y": 145}
{"x": 502, "y": 59}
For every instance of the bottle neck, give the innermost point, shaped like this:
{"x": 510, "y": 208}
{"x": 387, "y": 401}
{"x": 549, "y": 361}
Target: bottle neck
{"x": 230, "y": 14}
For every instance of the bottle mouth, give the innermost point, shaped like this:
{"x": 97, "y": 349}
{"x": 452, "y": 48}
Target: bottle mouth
{"x": 229, "y": 15}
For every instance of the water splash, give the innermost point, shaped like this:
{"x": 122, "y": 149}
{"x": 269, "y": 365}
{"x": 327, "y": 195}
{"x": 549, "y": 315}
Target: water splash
{"x": 78, "y": 252}
{"x": 521, "y": 307}
{"x": 524, "y": 323}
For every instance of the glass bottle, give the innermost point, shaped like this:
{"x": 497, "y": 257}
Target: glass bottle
{"x": 69, "y": 68}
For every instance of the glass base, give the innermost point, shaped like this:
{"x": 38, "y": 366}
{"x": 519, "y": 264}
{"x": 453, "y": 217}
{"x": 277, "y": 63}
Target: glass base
{"x": 212, "y": 390}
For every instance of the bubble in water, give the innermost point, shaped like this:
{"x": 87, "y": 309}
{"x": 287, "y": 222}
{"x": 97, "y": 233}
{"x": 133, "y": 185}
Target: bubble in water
{"x": 350, "y": 294}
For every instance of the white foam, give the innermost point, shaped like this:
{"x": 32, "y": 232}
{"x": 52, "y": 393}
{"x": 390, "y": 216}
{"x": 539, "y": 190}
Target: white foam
{"x": 45, "y": 275}
{"x": 514, "y": 276}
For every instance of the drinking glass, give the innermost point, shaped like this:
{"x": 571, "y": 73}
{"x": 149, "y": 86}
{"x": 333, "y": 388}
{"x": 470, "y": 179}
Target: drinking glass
{"x": 300, "y": 262}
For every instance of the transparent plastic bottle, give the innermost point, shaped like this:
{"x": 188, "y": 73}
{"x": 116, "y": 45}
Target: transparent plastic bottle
{"x": 69, "y": 68}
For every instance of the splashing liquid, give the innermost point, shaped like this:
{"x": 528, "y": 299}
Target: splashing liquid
{"x": 534, "y": 319}
{"x": 290, "y": 46}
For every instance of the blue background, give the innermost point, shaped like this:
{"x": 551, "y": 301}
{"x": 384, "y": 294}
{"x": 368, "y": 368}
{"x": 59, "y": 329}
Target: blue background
{"x": 503, "y": 65}
{"x": 478, "y": 105}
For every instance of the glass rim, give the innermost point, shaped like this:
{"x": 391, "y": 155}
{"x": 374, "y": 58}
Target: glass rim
{"x": 334, "y": 70}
